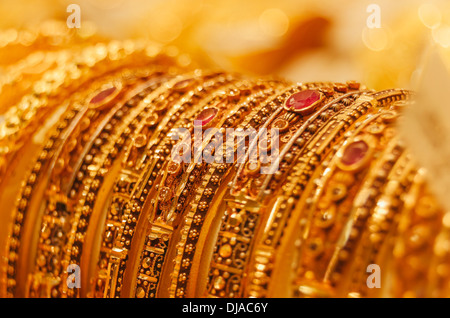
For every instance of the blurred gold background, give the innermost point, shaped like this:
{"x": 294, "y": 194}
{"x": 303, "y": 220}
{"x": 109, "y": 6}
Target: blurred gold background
{"x": 302, "y": 40}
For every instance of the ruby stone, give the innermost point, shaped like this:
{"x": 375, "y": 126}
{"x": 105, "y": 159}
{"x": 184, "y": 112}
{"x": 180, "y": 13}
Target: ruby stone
{"x": 102, "y": 95}
{"x": 206, "y": 116}
{"x": 183, "y": 84}
{"x": 354, "y": 152}
{"x": 302, "y": 99}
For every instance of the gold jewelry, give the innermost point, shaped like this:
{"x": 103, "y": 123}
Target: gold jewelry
{"x": 223, "y": 267}
{"x": 133, "y": 208}
{"x": 97, "y": 131}
{"x": 88, "y": 153}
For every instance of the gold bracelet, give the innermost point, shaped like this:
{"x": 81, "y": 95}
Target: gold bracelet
{"x": 88, "y": 148}
{"x": 421, "y": 221}
{"x": 161, "y": 230}
{"x": 279, "y": 216}
{"x": 141, "y": 191}
{"x": 136, "y": 157}
{"x": 371, "y": 129}
{"x": 218, "y": 282}
{"x": 373, "y": 244}
{"x": 97, "y": 185}
{"x": 72, "y": 114}
{"x": 155, "y": 105}
{"x": 44, "y": 96}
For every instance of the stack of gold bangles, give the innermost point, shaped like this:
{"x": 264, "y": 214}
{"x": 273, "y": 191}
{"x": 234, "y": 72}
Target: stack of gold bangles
{"x": 88, "y": 180}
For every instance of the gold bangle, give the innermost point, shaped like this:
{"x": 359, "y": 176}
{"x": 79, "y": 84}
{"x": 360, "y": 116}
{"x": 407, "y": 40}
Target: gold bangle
{"x": 27, "y": 190}
{"x": 372, "y": 129}
{"x": 156, "y": 106}
{"x": 97, "y": 187}
{"x": 217, "y": 281}
{"x": 132, "y": 209}
{"x": 134, "y": 161}
{"x": 41, "y": 101}
{"x": 88, "y": 148}
{"x": 418, "y": 268}
{"x": 313, "y": 240}
{"x": 161, "y": 229}
{"x": 371, "y": 249}
{"x": 280, "y": 213}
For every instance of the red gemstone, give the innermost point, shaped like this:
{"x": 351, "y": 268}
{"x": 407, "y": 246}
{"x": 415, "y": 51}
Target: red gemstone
{"x": 102, "y": 95}
{"x": 354, "y": 152}
{"x": 182, "y": 85}
{"x": 303, "y": 99}
{"x": 206, "y": 116}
